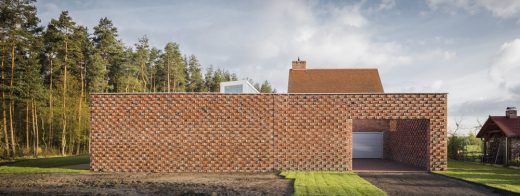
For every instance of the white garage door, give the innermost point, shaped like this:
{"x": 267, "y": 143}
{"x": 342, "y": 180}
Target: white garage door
{"x": 367, "y": 145}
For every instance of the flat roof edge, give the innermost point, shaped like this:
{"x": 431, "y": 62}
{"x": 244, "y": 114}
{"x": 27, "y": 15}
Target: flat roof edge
{"x": 218, "y": 93}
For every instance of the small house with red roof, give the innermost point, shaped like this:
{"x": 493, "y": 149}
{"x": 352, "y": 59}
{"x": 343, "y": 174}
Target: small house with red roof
{"x": 501, "y": 136}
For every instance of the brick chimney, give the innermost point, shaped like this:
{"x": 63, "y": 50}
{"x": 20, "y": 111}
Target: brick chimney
{"x": 511, "y": 112}
{"x": 299, "y": 64}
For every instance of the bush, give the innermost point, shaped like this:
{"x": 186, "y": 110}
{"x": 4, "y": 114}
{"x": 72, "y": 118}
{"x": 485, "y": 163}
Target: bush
{"x": 464, "y": 147}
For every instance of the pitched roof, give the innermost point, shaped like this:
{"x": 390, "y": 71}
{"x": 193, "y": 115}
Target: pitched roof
{"x": 510, "y": 127}
{"x": 334, "y": 81}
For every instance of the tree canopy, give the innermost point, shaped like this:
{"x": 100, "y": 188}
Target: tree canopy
{"x": 48, "y": 73}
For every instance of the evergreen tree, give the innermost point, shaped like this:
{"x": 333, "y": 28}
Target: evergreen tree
{"x": 266, "y": 87}
{"x": 96, "y": 74}
{"x": 218, "y": 77}
{"x": 46, "y": 77}
{"x": 153, "y": 66}
{"x": 195, "y": 80}
{"x": 111, "y": 51}
{"x": 142, "y": 60}
{"x": 172, "y": 71}
{"x": 128, "y": 72}
{"x": 61, "y": 32}
{"x": 19, "y": 26}
{"x": 208, "y": 79}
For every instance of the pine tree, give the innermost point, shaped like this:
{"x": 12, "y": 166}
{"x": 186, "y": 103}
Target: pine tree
{"x": 153, "y": 66}
{"x": 172, "y": 69}
{"x": 208, "y": 79}
{"x": 266, "y": 87}
{"x": 128, "y": 72}
{"x": 46, "y": 77}
{"x": 195, "y": 80}
{"x": 19, "y": 24}
{"x": 218, "y": 77}
{"x": 111, "y": 51}
{"x": 142, "y": 59}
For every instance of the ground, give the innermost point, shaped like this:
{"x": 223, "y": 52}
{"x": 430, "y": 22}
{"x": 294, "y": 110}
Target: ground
{"x": 494, "y": 176}
{"x": 145, "y": 184}
{"x": 422, "y": 183}
{"x": 70, "y": 176}
{"x": 331, "y": 183}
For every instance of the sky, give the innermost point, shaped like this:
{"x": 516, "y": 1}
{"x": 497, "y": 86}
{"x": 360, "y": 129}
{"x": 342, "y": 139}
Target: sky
{"x": 469, "y": 49}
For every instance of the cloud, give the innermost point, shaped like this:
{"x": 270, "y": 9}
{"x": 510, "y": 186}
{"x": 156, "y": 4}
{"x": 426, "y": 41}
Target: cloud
{"x": 440, "y": 54}
{"x": 386, "y": 5}
{"x": 344, "y": 39}
{"x": 499, "y": 8}
{"x": 505, "y": 69}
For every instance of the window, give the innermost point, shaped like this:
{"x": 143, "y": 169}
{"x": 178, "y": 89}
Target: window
{"x": 233, "y": 89}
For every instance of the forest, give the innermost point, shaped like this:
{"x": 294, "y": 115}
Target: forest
{"x": 49, "y": 70}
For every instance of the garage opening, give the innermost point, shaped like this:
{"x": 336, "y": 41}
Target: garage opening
{"x": 367, "y": 145}
{"x": 400, "y": 142}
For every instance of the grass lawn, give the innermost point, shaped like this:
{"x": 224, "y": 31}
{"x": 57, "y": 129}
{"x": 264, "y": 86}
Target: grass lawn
{"x": 46, "y": 165}
{"x": 331, "y": 183}
{"x": 498, "y": 177}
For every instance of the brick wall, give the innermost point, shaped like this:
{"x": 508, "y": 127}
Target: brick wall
{"x": 407, "y": 142}
{"x": 194, "y": 132}
{"x": 369, "y": 125}
{"x": 312, "y": 133}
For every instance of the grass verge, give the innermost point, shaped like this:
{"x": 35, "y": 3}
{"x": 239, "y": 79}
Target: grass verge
{"x": 330, "y": 183}
{"x": 46, "y": 165}
{"x": 497, "y": 177}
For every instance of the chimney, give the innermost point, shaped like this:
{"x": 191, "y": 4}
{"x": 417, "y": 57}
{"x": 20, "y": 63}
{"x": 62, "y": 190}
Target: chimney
{"x": 299, "y": 64}
{"x": 511, "y": 112}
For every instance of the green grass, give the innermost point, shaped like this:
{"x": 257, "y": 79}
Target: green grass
{"x": 331, "y": 183}
{"x": 46, "y": 165}
{"x": 473, "y": 148}
{"x": 498, "y": 177}
{"x": 28, "y": 170}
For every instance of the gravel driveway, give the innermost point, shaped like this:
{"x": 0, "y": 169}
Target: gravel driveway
{"x": 422, "y": 183}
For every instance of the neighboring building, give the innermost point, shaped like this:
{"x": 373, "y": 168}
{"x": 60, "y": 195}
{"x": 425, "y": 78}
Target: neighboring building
{"x": 344, "y": 80}
{"x": 501, "y": 135}
{"x": 328, "y": 119}
{"x": 240, "y": 86}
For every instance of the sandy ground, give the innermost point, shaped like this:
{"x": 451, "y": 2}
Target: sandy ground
{"x": 145, "y": 184}
{"x": 422, "y": 183}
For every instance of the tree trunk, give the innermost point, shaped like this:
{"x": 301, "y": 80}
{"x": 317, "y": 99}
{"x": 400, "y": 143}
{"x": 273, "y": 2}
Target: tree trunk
{"x": 51, "y": 113}
{"x": 168, "y": 65}
{"x": 4, "y": 116}
{"x": 11, "y": 109}
{"x": 27, "y": 126}
{"x": 79, "y": 107}
{"x": 144, "y": 77}
{"x": 37, "y": 135}
{"x": 45, "y": 146}
{"x": 64, "y": 116}
{"x": 35, "y": 150}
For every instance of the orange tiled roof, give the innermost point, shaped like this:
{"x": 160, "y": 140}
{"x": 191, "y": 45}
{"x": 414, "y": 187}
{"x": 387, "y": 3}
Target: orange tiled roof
{"x": 334, "y": 81}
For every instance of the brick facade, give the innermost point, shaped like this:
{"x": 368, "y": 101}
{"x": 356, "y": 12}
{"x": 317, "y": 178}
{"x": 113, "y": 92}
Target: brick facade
{"x": 407, "y": 142}
{"x": 197, "y": 132}
{"x": 370, "y": 125}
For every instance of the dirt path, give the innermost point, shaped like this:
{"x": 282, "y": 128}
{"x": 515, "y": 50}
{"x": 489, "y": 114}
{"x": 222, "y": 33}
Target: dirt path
{"x": 422, "y": 183}
{"x": 144, "y": 184}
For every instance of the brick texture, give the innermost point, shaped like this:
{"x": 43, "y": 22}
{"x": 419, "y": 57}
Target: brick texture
{"x": 368, "y": 125}
{"x": 197, "y": 132}
{"x": 407, "y": 142}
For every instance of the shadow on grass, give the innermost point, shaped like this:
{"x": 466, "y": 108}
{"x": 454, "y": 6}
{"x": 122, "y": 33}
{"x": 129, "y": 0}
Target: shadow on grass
{"x": 71, "y": 162}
